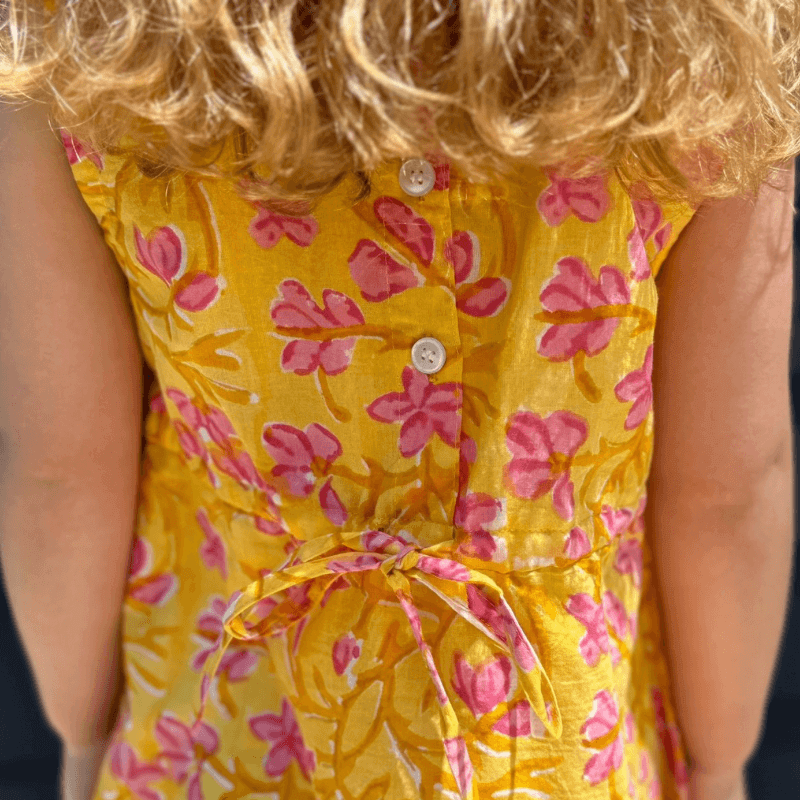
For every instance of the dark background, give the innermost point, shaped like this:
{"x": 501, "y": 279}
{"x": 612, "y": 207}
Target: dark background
{"x": 29, "y": 750}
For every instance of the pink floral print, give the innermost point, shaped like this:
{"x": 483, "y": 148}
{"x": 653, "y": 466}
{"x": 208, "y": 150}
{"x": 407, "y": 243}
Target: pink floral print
{"x": 236, "y": 664}
{"x": 424, "y": 408}
{"x": 576, "y": 543}
{"x": 345, "y": 650}
{"x": 587, "y": 198}
{"x": 283, "y": 732}
{"x": 482, "y": 688}
{"x": 213, "y": 551}
{"x": 603, "y": 720}
{"x": 478, "y": 297}
{"x": 163, "y": 253}
{"x": 295, "y": 309}
{"x": 414, "y": 231}
{"x": 477, "y": 513}
{"x": 377, "y": 274}
{"x": 179, "y": 744}
{"x": 135, "y": 774}
{"x": 150, "y": 589}
{"x": 637, "y": 385}
{"x": 575, "y": 290}
{"x": 533, "y": 443}
{"x": 268, "y": 227}
{"x": 594, "y": 617}
{"x": 295, "y": 451}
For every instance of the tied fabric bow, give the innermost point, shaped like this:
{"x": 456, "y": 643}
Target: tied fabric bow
{"x": 400, "y": 562}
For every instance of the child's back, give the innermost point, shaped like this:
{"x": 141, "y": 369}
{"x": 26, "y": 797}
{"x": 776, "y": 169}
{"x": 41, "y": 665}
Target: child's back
{"x": 390, "y": 532}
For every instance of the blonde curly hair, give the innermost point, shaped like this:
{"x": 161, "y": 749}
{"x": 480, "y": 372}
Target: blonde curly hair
{"x": 695, "y": 98}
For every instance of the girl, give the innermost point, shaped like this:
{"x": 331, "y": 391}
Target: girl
{"x": 467, "y": 465}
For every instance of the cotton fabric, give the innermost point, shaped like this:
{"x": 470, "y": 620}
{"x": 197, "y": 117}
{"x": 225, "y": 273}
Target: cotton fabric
{"x": 350, "y": 579}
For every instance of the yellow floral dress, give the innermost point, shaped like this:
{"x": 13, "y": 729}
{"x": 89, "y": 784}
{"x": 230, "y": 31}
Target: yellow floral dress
{"x": 357, "y": 573}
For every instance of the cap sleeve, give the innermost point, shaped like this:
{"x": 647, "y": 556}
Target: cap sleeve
{"x": 674, "y": 218}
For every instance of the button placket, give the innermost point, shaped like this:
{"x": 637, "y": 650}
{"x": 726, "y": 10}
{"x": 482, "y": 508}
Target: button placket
{"x": 438, "y": 349}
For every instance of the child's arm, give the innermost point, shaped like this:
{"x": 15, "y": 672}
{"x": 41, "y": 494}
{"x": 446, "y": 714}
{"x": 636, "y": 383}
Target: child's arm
{"x": 720, "y": 510}
{"x": 70, "y": 425}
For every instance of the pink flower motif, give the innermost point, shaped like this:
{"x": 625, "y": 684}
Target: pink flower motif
{"x": 213, "y": 550}
{"x": 477, "y": 511}
{"x": 484, "y": 298}
{"x": 590, "y": 614}
{"x": 237, "y": 663}
{"x": 474, "y": 513}
{"x": 483, "y": 688}
{"x": 163, "y": 253}
{"x": 637, "y": 385}
{"x": 406, "y": 225}
{"x": 600, "y": 723}
{"x": 637, "y": 255}
{"x": 482, "y": 545}
{"x": 629, "y": 560}
{"x": 178, "y": 744}
{"x": 576, "y": 289}
{"x": 154, "y": 590}
{"x": 77, "y": 150}
{"x": 267, "y": 228}
{"x": 345, "y": 650}
{"x": 460, "y": 763}
{"x": 424, "y": 408}
{"x": 614, "y": 609}
{"x": 287, "y": 741}
{"x": 297, "y": 309}
{"x": 242, "y": 469}
{"x": 478, "y": 297}
{"x": 649, "y": 216}
{"x": 295, "y": 451}
{"x": 135, "y": 774}
{"x": 671, "y": 742}
{"x": 533, "y": 441}
{"x": 332, "y": 506}
{"x": 377, "y": 274}
{"x": 213, "y": 427}
{"x": 616, "y": 520}
{"x": 199, "y": 294}
{"x": 576, "y": 543}
{"x": 587, "y": 198}
{"x": 648, "y": 225}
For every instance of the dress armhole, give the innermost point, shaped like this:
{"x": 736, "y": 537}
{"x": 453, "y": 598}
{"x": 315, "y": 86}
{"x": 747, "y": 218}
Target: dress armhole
{"x": 676, "y": 216}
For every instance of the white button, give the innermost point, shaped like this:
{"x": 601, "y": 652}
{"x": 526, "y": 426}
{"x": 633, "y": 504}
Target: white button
{"x": 417, "y": 177}
{"x": 428, "y": 355}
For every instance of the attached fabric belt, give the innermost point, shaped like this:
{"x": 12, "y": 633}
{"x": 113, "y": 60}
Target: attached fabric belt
{"x": 320, "y": 562}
